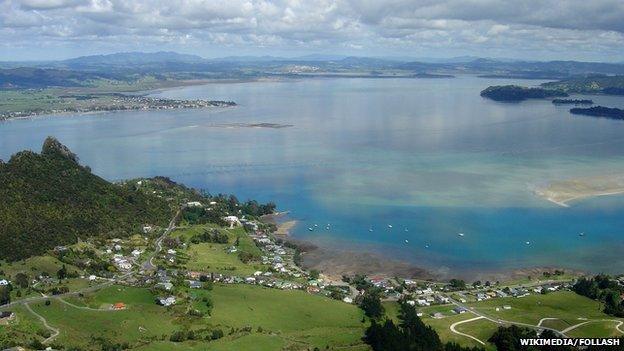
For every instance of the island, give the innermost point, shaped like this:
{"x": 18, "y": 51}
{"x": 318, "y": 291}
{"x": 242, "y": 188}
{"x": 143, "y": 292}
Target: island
{"x": 599, "y": 111}
{"x": 573, "y": 102}
{"x": 515, "y": 93}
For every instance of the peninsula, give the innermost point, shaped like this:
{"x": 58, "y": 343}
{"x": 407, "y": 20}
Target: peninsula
{"x": 43, "y": 103}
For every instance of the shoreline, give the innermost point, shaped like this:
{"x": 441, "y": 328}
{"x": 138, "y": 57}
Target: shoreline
{"x": 334, "y": 262}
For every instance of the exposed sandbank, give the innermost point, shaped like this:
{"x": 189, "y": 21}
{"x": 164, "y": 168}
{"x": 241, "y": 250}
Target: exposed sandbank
{"x": 563, "y": 192}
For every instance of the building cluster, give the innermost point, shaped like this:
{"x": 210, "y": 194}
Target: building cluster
{"x": 101, "y": 103}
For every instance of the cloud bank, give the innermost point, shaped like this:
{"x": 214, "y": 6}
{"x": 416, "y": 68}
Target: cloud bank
{"x": 535, "y": 29}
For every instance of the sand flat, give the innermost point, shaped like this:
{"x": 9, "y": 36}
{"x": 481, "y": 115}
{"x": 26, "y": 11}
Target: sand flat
{"x": 562, "y": 192}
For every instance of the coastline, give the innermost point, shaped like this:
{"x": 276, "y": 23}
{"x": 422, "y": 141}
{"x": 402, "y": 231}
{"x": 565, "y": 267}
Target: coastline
{"x": 333, "y": 263}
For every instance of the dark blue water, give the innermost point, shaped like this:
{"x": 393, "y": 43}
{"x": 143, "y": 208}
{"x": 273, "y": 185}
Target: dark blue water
{"x": 428, "y": 156}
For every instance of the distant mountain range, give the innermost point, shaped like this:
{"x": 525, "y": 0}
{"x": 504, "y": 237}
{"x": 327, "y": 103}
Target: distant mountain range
{"x": 130, "y": 66}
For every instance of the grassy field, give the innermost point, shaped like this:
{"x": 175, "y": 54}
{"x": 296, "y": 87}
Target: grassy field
{"x": 252, "y": 318}
{"x": 214, "y": 257}
{"x": 34, "y": 266}
{"x": 565, "y": 305}
{"x": 600, "y": 329}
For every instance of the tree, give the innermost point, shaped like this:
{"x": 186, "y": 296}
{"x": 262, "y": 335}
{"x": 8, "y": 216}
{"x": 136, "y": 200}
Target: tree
{"x": 371, "y": 304}
{"x": 62, "y": 273}
{"x": 5, "y": 295}
{"x": 314, "y": 274}
{"x": 508, "y": 339}
{"x": 457, "y": 284}
{"x": 21, "y": 280}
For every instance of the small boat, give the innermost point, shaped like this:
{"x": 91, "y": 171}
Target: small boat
{"x": 406, "y": 230}
{"x": 310, "y": 229}
{"x": 582, "y": 234}
{"x": 426, "y": 246}
{"x": 528, "y": 243}
{"x": 370, "y": 229}
{"x": 389, "y": 225}
{"x": 316, "y": 225}
{"x": 460, "y": 234}
{"x": 406, "y": 241}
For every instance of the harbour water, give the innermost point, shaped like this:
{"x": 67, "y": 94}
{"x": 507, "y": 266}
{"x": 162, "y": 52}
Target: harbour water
{"x": 428, "y": 156}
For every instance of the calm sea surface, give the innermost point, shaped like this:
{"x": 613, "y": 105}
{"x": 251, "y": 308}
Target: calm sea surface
{"x": 428, "y": 156}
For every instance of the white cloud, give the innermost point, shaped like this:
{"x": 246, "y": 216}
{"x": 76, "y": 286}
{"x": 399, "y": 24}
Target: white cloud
{"x": 533, "y": 28}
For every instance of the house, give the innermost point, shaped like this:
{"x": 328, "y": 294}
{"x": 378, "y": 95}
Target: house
{"x": 6, "y": 316}
{"x": 194, "y": 204}
{"x": 347, "y": 299}
{"x": 92, "y": 277}
{"x": 313, "y": 290}
{"x": 171, "y": 252}
{"x": 194, "y": 284}
{"x": 506, "y": 307}
{"x": 459, "y": 310}
{"x": 4, "y": 282}
{"x": 147, "y": 229}
{"x": 422, "y": 302}
{"x": 193, "y": 275}
{"x": 441, "y": 299}
{"x": 250, "y": 280}
{"x": 168, "y": 301}
{"x": 437, "y": 315}
{"x": 119, "y": 306}
{"x": 233, "y": 221}
{"x": 167, "y": 286}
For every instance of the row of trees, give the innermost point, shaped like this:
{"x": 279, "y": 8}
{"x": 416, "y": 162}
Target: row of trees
{"x": 603, "y": 288}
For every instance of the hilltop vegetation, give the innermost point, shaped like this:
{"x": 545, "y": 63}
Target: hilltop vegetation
{"x": 49, "y": 199}
{"x": 593, "y": 84}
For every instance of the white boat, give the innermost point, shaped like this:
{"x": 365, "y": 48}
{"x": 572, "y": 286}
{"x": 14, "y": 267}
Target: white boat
{"x": 460, "y": 234}
{"x": 406, "y": 241}
{"x": 528, "y": 243}
{"x": 389, "y": 225}
{"x": 310, "y": 229}
{"x": 406, "y": 230}
{"x": 582, "y": 234}
{"x": 426, "y": 246}
{"x": 370, "y": 229}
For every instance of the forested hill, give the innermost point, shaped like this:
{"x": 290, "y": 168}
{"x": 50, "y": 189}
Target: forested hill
{"x": 48, "y": 199}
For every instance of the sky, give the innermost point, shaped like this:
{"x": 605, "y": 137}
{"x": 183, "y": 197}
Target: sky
{"x": 587, "y": 30}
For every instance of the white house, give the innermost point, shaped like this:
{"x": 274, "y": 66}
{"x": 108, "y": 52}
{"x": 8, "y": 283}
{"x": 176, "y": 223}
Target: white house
{"x": 194, "y": 204}
{"x": 232, "y": 221}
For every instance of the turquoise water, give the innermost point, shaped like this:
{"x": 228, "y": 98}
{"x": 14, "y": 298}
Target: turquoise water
{"x": 428, "y": 156}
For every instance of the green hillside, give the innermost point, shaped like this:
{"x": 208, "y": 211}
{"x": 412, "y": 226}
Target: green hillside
{"x": 49, "y": 199}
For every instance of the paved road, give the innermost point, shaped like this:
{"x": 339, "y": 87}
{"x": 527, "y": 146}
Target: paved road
{"x": 464, "y": 334}
{"x": 502, "y": 321}
{"x": 148, "y": 265}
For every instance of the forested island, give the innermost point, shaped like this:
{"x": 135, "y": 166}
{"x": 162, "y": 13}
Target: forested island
{"x": 599, "y": 111}
{"x": 515, "y": 93}
{"x": 573, "y": 102}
